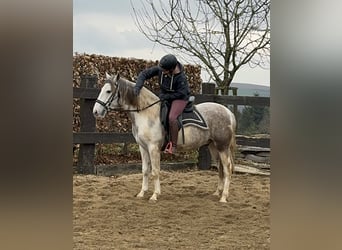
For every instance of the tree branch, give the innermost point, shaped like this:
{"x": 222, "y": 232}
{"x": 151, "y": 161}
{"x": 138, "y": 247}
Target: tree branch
{"x": 220, "y": 35}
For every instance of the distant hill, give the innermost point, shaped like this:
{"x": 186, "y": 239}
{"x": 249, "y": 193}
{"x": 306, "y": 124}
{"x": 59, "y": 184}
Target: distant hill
{"x": 246, "y": 89}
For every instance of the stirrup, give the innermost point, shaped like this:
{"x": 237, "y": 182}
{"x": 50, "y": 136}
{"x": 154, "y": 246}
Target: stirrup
{"x": 168, "y": 148}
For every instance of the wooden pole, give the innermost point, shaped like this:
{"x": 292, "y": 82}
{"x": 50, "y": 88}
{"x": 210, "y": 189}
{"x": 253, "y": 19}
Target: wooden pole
{"x": 235, "y": 109}
{"x": 204, "y": 158}
{"x": 86, "y": 154}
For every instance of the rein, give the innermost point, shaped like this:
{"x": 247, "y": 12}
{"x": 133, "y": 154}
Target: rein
{"x": 135, "y": 110}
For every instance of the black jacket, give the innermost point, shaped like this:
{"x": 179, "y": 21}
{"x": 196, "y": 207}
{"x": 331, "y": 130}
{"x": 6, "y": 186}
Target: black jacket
{"x": 176, "y": 86}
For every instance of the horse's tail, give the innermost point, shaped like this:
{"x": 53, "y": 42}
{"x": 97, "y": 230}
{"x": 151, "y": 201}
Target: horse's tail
{"x": 232, "y": 148}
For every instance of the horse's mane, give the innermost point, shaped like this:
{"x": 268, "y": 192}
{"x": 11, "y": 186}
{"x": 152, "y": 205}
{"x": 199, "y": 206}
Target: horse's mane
{"x": 126, "y": 90}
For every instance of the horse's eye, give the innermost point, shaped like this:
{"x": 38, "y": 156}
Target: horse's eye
{"x": 108, "y": 91}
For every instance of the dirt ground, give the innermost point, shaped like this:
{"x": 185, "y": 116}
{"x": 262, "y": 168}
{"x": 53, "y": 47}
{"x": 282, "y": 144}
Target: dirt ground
{"x": 106, "y": 214}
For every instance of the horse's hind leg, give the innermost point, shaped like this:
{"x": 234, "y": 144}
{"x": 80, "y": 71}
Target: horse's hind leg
{"x": 219, "y": 188}
{"x": 226, "y": 162}
{"x": 146, "y": 169}
{"x": 215, "y": 161}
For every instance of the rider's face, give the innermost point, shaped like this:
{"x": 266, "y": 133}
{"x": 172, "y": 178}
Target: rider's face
{"x": 167, "y": 72}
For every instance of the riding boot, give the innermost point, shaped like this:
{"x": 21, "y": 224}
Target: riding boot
{"x": 174, "y": 135}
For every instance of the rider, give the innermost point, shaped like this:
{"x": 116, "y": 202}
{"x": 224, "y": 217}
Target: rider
{"x": 174, "y": 88}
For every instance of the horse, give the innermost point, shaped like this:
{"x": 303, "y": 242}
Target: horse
{"x": 144, "y": 110}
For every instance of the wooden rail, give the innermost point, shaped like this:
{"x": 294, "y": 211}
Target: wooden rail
{"x": 91, "y": 94}
{"x": 108, "y": 138}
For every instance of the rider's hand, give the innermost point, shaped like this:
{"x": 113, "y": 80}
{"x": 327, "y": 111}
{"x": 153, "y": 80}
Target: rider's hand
{"x": 136, "y": 91}
{"x": 164, "y": 97}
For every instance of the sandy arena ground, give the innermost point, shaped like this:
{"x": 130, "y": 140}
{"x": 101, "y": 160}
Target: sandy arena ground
{"x": 106, "y": 214}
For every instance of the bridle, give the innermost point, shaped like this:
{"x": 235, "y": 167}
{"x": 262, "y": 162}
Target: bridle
{"x": 116, "y": 95}
{"x": 107, "y": 104}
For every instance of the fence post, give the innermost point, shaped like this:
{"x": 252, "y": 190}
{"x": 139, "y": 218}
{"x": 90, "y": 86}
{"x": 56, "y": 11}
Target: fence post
{"x": 204, "y": 158}
{"x": 208, "y": 88}
{"x": 86, "y": 154}
{"x": 234, "y": 90}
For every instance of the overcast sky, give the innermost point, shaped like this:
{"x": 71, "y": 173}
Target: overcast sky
{"x": 106, "y": 27}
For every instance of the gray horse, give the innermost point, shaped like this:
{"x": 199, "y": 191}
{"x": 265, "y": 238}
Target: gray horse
{"x": 117, "y": 94}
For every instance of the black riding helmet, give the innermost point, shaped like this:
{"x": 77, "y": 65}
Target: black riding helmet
{"x": 168, "y": 62}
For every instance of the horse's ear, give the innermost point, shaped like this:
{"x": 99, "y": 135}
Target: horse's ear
{"x": 108, "y": 76}
{"x": 117, "y": 77}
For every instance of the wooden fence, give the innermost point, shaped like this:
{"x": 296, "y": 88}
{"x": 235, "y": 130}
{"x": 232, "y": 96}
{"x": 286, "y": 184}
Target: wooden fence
{"x": 88, "y": 137}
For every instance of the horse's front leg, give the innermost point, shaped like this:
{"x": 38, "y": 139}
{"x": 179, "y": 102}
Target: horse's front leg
{"x": 146, "y": 170}
{"x": 155, "y": 164}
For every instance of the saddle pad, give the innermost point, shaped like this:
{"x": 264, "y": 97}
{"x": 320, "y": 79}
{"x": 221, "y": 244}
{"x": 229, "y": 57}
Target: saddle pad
{"x": 194, "y": 118}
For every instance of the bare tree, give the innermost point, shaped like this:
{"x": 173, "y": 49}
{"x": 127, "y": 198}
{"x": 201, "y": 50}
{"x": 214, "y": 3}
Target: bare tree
{"x": 220, "y": 35}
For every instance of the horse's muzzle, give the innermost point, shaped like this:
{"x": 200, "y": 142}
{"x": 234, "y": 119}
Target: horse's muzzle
{"x": 99, "y": 114}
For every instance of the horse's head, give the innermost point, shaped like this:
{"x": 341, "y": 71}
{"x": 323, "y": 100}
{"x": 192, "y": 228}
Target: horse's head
{"x": 108, "y": 97}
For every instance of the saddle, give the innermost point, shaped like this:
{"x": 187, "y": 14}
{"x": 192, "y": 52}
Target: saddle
{"x": 190, "y": 116}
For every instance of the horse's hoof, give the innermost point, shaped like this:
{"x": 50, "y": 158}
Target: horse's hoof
{"x": 153, "y": 198}
{"x": 217, "y": 193}
{"x": 223, "y": 200}
{"x": 140, "y": 195}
